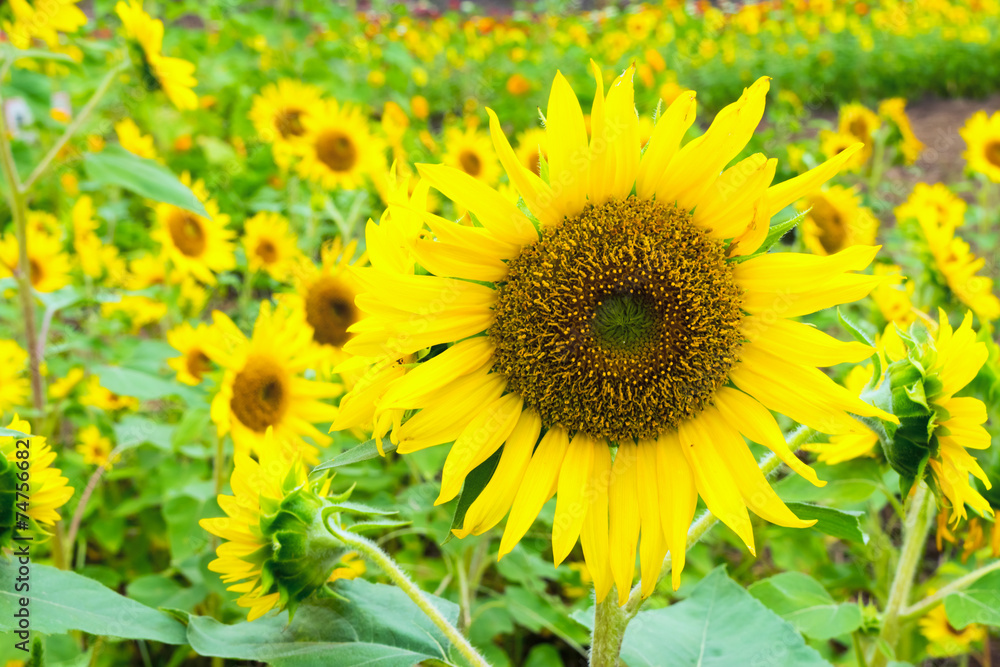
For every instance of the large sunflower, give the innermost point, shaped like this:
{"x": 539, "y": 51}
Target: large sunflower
{"x": 634, "y": 338}
{"x": 175, "y": 76}
{"x": 982, "y": 140}
{"x": 337, "y": 149}
{"x": 196, "y": 245}
{"x": 836, "y": 220}
{"x": 263, "y": 386}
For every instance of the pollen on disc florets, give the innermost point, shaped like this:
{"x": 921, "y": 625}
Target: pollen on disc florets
{"x": 620, "y": 322}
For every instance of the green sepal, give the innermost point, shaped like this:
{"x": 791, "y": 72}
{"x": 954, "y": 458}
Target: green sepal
{"x": 774, "y": 234}
{"x": 363, "y": 527}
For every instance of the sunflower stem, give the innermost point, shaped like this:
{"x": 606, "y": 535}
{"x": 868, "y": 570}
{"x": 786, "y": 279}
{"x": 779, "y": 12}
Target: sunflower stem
{"x": 918, "y": 609}
{"x": 372, "y": 552}
{"x": 915, "y": 531}
{"x": 610, "y": 623}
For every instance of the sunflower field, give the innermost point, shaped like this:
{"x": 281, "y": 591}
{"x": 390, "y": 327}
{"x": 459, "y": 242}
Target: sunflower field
{"x": 521, "y": 334}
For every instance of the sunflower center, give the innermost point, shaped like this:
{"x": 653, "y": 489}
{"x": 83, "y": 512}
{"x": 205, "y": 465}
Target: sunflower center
{"x": 187, "y": 233}
{"x": 620, "y": 322}
{"x": 267, "y": 251}
{"x": 288, "y": 122}
{"x": 330, "y": 310}
{"x": 197, "y": 364}
{"x": 858, "y": 128}
{"x": 260, "y": 395}
{"x": 992, "y": 152}
{"x": 470, "y": 163}
{"x": 35, "y": 272}
{"x": 832, "y": 227}
{"x": 336, "y": 150}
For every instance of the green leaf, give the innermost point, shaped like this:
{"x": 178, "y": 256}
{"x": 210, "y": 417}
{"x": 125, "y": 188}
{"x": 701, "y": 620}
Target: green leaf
{"x": 134, "y": 430}
{"x": 146, "y": 178}
{"x": 11, "y": 433}
{"x": 718, "y": 625}
{"x": 774, "y": 235}
{"x": 37, "y": 54}
{"x": 803, "y": 602}
{"x": 129, "y": 382}
{"x": 376, "y": 625}
{"x": 62, "y": 601}
{"x": 475, "y": 482}
{"x": 838, "y": 523}
{"x": 363, "y": 452}
{"x": 979, "y": 603}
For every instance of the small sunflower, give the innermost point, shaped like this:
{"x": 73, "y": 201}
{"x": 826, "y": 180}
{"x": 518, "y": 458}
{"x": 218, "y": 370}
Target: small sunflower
{"x": 572, "y": 326}
{"x": 470, "y": 151}
{"x": 139, "y": 310}
{"x": 96, "y": 257}
{"x": 133, "y": 140}
{"x": 93, "y": 446}
{"x": 324, "y": 297}
{"x": 531, "y": 149}
{"x": 860, "y": 122}
{"x": 47, "y": 488}
{"x": 270, "y": 245}
{"x": 894, "y": 110}
{"x": 174, "y": 76}
{"x": 338, "y": 149}
{"x": 191, "y": 342}
{"x": 48, "y": 265}
{"x": 60, "y": 388}
{"x": 982, "y": 141}
{"x": 263, "y": 387}
{"x": 894, "y": 296}
{"x": 14, "y": 385}
{"x": 936, "y": 202}
{"x": 278, "y": 114}
{"x": 835, "y": 143}
{"x": 96, "y": 395}
{"x": 836, "y": 220}
{"x": 196, "y": 245}
{"x": 943, "y": 639}
{"x": 43, "y": 22}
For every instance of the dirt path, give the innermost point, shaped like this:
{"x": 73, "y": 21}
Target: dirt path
{"x": 936, "y": 123}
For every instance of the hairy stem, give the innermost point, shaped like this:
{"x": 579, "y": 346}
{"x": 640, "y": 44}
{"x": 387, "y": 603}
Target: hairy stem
{"x": 372, "y": 552}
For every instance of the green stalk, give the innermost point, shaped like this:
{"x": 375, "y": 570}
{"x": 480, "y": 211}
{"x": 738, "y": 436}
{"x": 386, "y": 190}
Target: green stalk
{"x": 918, "y": 609}
{"x": 915, "y": 531}
{"x": 372, "y": 552}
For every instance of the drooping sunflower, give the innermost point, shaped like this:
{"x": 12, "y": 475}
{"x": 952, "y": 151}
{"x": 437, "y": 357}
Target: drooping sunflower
{"x": 936, "y": 202}
{"x": 191, "y": 342}
{"x": 47, "y": 488}
{"x": 196, "y": 245}
{"x": 278, "y": 114}
{"x": 44, "y": 22}
{"x": 894, "y": 110}
{"x": 263, "y": 386}
{"x": 174, "y": 76}
{"x": 470, "y": 150}
{"x": 338, "y": 149}
{"x": 14, "y": 385}
{"x": 324, "y": 297}
{"x": 836, "y": 220}
{"x": 531, "y": 149}
{"x": 270, "y": 245}
{"x": 48, "y": 265}
{"x": 606, "y": 327}
{"x": 982, "y": 141}
{"x": 860, "y": 122}
{"x": 944, "y": 639}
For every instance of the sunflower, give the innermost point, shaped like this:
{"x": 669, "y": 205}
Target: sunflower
{"x": 531, "y": 149}
{"x": 48, "y": 264}
{"x": 573, "y": 327}
{"x": 47, "y": 488}
{"x": 60, "y": 388}
{"x": 174, "y": 76}
{"x": 138, "y": 309}
{"x": 470, "y": 151}
{"x": 936, "y": 202}
{"x": 133, "y": 140}
{"x": 263, "y": 387}
{"x": 196, "y": 245}
{"x": 13, "y": 385}
{"x": 958, "y": 267}
{"x": 324, "y": 297}
{"x": 96, "y": 257}
{"x": 44, "y": 23}
{"x": 96, "y": 395}
{"x": 860, "y": 122}
{"x": 836, "y": 220}
{"x": 943, "y": 639}
{"x": 982, "y": 141}
{"x": 892, "y": 297}
{"x": 848, "y": 446}
{"x": 835, "y": 143}
{"x": 278, "y": 114}
{"x": 270, "y": 245}
{"x": 894, "y": 110}
{"x": 191, "y": 342}
{"x": 337, "y": 149}
{"x": 94, "y": 447}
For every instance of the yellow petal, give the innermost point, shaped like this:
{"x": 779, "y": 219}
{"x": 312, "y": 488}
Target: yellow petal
{"x": 445, "y": 259}
{"x": 594, "y": 532}
{"x": 803, "y": 344}
{"x": 663, "y": 143}
{"x": 652, "y": 546}
{"x": 622, "y": 130}
{"x": 602, "y": 157}
{"x": 799, "y": 272}
{"x": 444, "y": 418}
{"x": 537, "y": 195}
{"x": 725, "y": 209}
{"x": 568, "y": 151}
{"x": 458, "y": 360}
{"x": 678, "y": 500}
{"x": 575, "y": 484}
{"x": 794, "y": 189}
{"x": 788, "y": 303}
{"x": 623, "y": 509}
